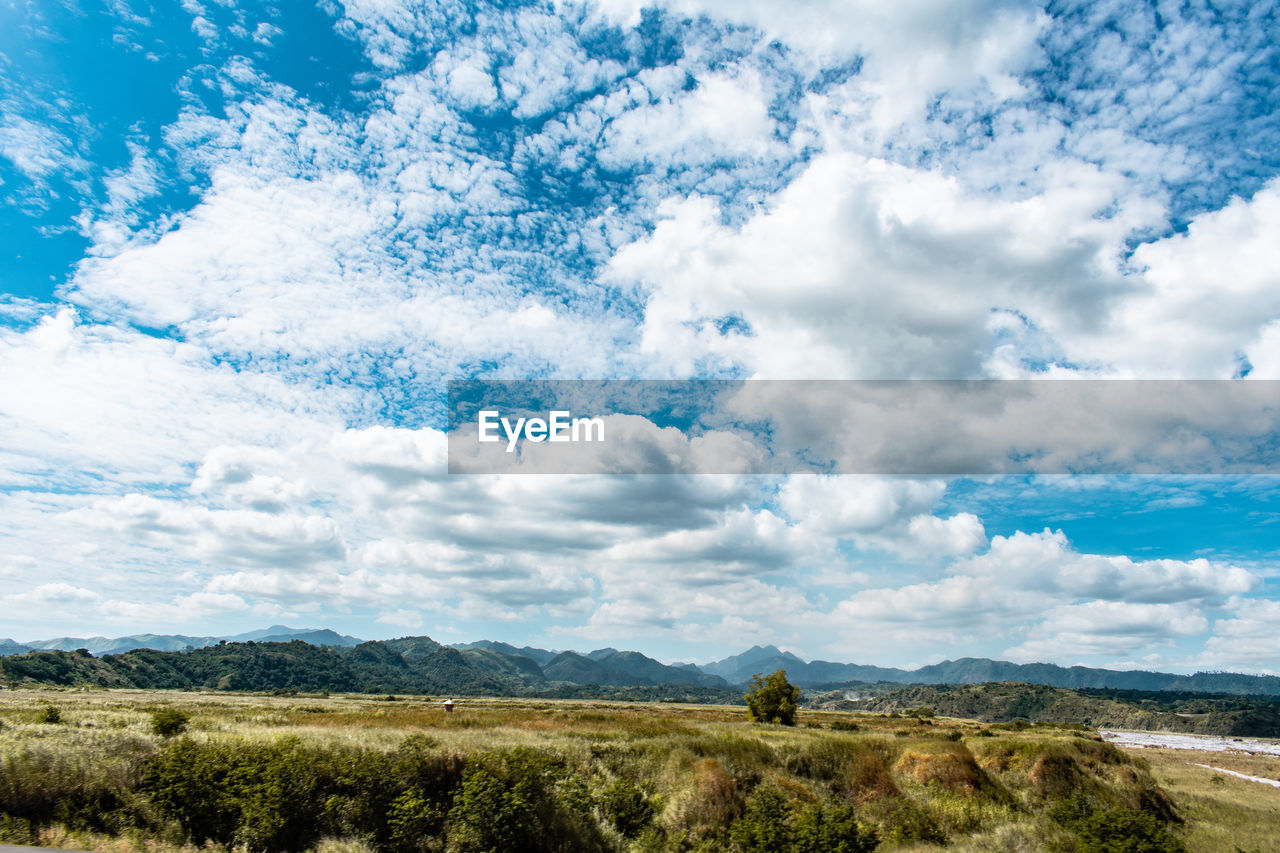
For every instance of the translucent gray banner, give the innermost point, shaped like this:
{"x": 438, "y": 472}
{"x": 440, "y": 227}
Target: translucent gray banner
{"x": 909, "y": 427}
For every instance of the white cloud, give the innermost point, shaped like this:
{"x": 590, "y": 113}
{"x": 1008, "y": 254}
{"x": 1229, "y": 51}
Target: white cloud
{"x": 1064, "y": 605}
{"x": 724, "y": 117}
{"x": 911, "y": 50}
{"x": 1045, "y": 562}
{"x": 1072, "y": 633}
{"x": 890, "y": 514}
{"x": 957, "y": 535}
{"x": 220, "y": 537}
{"x": 80, "y": 400}
{"x": 53, "y": 595}
{"x": 1214, "y": 289}
{"x": 843, "y": 506}
{"x": 1248, "y": 638}
{"x": 864, "y": 269}
{"x": 35, "y": 149}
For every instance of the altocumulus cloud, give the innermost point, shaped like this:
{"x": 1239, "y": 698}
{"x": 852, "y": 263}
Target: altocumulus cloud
{"x": 229, "y": 406}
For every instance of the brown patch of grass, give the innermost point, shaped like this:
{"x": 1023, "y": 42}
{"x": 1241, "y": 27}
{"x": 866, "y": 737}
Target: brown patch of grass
{"x": 1055, "y": 775}
{"x": 954, "y": 770}
{"x": 709, "y": 805}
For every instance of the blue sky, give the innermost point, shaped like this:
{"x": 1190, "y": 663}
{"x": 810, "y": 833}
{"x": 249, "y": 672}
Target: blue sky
{"x": 246, "y": 245}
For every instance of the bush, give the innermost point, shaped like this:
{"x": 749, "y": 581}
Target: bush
{"x": 412, "y": 820}
{"x": 764, "y": 826}
{"x": 519, "y": 801}
{"x": 626, "y": 807}
{"x": 397, "y": 801}
{"x": 15, "y": 830}
{"x": 168, "y": 722}
{"x": 1115, "y": 829}
{"x": 909, "y": 822}
{"x": 773, "y": 699}
{"x": 833, "y": 829}
{"x": 490, "y": 815}
{"x": 259, "y": 796}
{"x": 1125, "y": 831}
{"x": 50, "y": 715}
{"x": 713, "y": 803}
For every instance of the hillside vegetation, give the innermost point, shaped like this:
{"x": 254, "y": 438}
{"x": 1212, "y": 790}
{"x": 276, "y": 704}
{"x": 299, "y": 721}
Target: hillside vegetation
{"x": 420, "y": 666}
{"x": 1191, "y": 713}
{"x": 353, "y": 774}
{"x": 609, "y": 666}
{"x": 409, "y": 665}
{"x": 738, "y": 669}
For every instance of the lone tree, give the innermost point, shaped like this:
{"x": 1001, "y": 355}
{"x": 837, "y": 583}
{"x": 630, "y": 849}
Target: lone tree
{"x": 773, "y": 699}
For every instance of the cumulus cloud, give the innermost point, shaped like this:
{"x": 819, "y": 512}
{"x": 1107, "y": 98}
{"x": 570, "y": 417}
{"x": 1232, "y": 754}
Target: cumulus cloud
{"x": 1109, "y": 628}
{"x": 1045, "y": 562}
{"x": 1065, "y": 604}
{"x": 873, "y": 247}
{"x": 84, "y": 400}
{"x": 1246, "y": 637}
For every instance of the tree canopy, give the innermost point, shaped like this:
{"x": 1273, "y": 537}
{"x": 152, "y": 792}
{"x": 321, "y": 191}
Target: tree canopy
{"x": 773, "y": 699}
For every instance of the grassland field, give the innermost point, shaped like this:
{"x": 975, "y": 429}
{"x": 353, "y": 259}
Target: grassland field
{"x": 363, "y": 773}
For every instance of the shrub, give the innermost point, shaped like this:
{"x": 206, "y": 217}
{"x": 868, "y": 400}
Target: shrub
{"x": 490, "y": 815}
{"x": 1124, "y": 830}
{"x": 397, "y": 801}
{"x": 50, "y": 715}
{"x": 168, "y": 722}
{"x": 857, "y": 769}
{"x": 260, "y": 796}
{"x": 951, "y": 769}
{"x": 1114, "y": 829}
{"x": 15, "y": 830}
{"x": 832, "y": 829}
{"x": 412, "y": 821}
{"x": 523, "y": 800}
{"x": 743, "y": 757}
{"x": 626, "y": 807}
{"x": 909, "y": 822}
{"x": 845, "y": 726}
{"x": 764, "y": 826}
{"x": 773, "y": 699}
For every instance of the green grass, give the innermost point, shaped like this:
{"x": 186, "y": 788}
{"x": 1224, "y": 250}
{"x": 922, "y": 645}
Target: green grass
{"x": 1223, "y": 813}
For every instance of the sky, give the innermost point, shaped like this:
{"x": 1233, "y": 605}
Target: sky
{"x": 246, "y": 245}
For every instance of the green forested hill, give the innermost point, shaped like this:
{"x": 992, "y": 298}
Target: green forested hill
{"x": 1002, "y": 702}
{"x": 409, "y": 665}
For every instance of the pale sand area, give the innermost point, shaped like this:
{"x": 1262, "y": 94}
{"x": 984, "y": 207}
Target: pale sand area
{"x": 1204, "y": 743}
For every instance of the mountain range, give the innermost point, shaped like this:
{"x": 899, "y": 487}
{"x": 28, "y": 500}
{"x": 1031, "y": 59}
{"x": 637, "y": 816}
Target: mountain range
{"x": 416, "y": 665}
{"x": 99, "y": 646}
{"x": 819, "y": 673}
{"x": 490, "y": 665}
